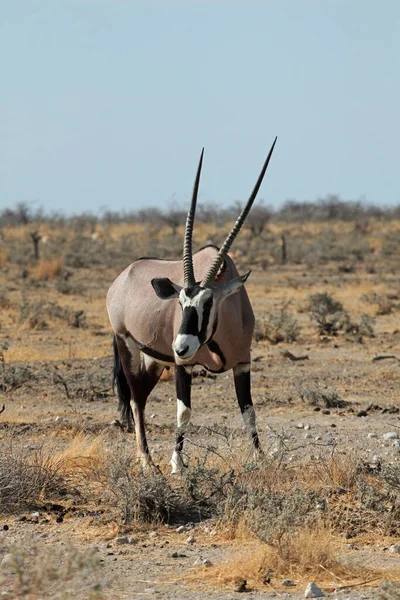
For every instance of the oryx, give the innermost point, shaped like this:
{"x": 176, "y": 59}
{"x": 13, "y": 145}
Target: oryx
{"x": 182, "y": 313}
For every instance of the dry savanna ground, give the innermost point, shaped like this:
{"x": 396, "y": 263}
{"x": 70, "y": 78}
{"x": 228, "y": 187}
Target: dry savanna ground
{"x": 79, "y": 518}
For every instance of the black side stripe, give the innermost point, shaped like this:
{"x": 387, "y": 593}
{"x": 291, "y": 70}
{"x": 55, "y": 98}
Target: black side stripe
{"x": 150, "y": 352}
{"x": 213, "y": 346}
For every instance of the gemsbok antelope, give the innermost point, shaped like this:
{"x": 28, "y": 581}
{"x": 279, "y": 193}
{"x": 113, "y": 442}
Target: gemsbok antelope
{"x": 184, "y": 313}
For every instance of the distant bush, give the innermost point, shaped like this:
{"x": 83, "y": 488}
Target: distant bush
{"x": 278, "y": 327}
{"x": 331, "y": 318}
{"x": 327, "y": 312}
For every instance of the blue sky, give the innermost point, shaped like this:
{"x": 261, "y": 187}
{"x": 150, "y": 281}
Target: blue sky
{"x": 109, "y": 102}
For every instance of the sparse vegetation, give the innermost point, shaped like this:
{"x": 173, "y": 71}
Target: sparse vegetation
{"x": 327, "y": 312}
{"x": 317, "y": 394}
{"x": 277, "y": 327}
{"x": 47, "y": 269}
{"x": 26, "y": 479}
{"x": 291, "y": 512}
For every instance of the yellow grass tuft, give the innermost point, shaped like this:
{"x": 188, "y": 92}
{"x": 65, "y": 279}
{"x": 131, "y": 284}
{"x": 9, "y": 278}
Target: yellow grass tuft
{"x": 47, "y": 268}
{"x": 307, "y": 555}
{"x": 3, "y": 257}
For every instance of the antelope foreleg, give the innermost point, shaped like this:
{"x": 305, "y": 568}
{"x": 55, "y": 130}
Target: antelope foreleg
{"x": 183, "y": 381}
{"x": 241, "y": 375}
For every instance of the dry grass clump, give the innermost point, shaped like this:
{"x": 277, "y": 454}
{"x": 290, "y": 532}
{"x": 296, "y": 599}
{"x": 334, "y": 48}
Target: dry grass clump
{"x": 47, "y": 268}
{"x": 56, "y": 573}
{"x": 38, "y": 314}
{"x": 3, "y": 257}
{"x": 310, "y": 554}
{"x": 278, "y": 327}
{"x": 27, "y": 479}
{"x": 317, "y": 394}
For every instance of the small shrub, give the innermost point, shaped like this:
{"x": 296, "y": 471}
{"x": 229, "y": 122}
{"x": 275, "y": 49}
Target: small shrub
{"x": 35, "y": 314}
{"x": 327, "y": 312}
{"x": 276, "y": 515}
{"x": 315, "y": 394}
{"x": 281, "y": 327}
{"x": 140, "y": 497}
{"x": 385, "y": 304}
{"x": 59, "y": 572}
{"x": 14, "y": 376}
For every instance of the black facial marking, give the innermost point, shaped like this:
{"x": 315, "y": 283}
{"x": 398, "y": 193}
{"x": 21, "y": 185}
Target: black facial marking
{"x": 206, "y": 317}
{"x": 192, "y": 291}
{"x": 190, "y": 321}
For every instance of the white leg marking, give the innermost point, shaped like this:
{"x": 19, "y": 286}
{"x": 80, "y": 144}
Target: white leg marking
{"x": 183, "y": 414}
{"x": 183, "y": 417}
{"x": 177, "y": 463}
{"x": 249, "y": 418}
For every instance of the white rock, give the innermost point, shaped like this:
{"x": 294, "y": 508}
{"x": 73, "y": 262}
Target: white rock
{"x": 60, "y": 419}
{"x": 313, "y": 591}
{"x": 154, "y": 534}
{"x": 396, "y": 444}
{"x": 395, "y": 549}
{"x": 307, "y": 426}
{"x": 390, "y": 435}
{"x": 11, "y": 563}
{"x": 202, "y": 562}
{"x": 191, "y": 539}
{"x": 372, "y": 435}
{"x": 299, "y": 426}
{"x": 180, "y": 529}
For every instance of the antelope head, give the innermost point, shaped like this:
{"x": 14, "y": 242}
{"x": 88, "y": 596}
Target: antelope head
{"x": 200, "y": 300}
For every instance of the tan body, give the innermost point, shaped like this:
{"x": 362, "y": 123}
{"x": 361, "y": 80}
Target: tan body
{"x": 134, "y": 307}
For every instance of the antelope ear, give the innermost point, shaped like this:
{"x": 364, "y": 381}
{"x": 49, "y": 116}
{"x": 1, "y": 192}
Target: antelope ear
{"x": 164, "y": 288}
{"x": 233, "y": 286}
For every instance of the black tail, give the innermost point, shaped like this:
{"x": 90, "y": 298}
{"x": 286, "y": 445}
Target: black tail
{"x": 123, "y": 390}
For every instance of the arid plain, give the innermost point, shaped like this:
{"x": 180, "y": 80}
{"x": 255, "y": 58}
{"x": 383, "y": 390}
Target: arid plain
{"x": 79, "y": 518}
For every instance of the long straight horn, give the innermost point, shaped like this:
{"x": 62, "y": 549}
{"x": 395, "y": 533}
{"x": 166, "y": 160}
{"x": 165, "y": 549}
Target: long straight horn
{"x": 237, "y": 226}
{"x": 188, "y": 272}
